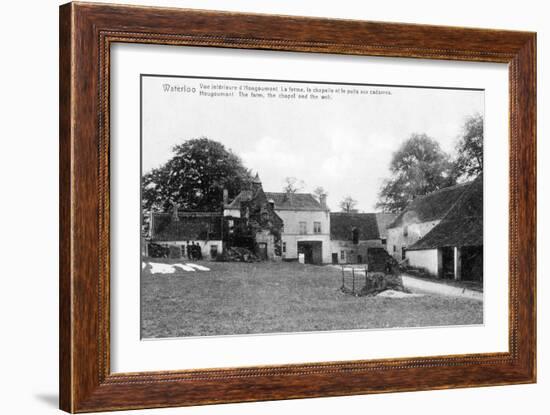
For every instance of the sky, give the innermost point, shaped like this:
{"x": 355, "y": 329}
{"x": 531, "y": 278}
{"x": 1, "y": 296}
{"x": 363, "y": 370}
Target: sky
{"x": 342, "y": 138}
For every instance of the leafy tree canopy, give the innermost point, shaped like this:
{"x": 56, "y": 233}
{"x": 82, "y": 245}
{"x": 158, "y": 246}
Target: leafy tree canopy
{"x": 417, "y": 168}
{"x": 194, "y": 178}
{"x": 469, "y": 160}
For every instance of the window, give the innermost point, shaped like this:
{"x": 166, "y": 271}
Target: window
{"x": 303, "y": 228}
{"x": 316, "y": 227}
{"x": 403, "y": 252}
{"x": 405, "y": 230}
{"x": 384, "y": 241}
{"x": 343, "y": 255}
{"x": 394, "y": 248}
{"x": 284, "y": 247}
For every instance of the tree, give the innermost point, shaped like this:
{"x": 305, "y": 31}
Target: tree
{"x": 469, "y": 160}
{"x": 292, "y": 185}
{"x": 194, "y": 178}
{"x": 319, "y": 192}
{"x": 417, "y": 168}
{"x": 347, "y": 204}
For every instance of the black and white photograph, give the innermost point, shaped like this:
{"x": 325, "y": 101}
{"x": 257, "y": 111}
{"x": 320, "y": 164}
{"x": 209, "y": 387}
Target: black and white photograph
{"x": 289, "y": 206}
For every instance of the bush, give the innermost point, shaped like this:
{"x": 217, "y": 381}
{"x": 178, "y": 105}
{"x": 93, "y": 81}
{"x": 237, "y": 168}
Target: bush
{"x": 237, "y": 254}
{"x": 158, "y": 251}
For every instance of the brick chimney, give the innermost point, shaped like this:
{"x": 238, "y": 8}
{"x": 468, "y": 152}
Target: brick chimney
{"x": 323, "y": 201}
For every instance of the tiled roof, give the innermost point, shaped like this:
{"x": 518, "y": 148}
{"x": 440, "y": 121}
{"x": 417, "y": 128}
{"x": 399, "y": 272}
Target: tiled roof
{"x": 433, "y": 206}
{"x": 295, "y": 201}
{"x": 463, "y": 224}
{"x": 343, "y": 224}
{"x": 191, "y": 226}
{"x": 243, "y": 196}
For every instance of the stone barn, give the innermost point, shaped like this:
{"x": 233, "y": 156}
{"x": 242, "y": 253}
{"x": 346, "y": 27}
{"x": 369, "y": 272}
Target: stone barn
{"x": 421, "y": 216}
{"x": 352, "y": 234}
{"x": 180, "y": 230}
{"x": 454, "y": 247}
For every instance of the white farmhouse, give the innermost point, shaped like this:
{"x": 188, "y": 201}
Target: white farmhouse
{"x": 306, "y": 226}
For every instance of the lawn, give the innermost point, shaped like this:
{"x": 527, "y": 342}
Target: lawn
{"x": 269, "y": 297}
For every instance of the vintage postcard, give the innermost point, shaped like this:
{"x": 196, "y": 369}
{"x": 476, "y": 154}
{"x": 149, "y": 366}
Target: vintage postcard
{"x": 281, "y": 206}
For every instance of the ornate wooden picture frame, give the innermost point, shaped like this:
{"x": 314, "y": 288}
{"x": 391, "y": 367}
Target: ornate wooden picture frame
{"x": 87, "y": 32}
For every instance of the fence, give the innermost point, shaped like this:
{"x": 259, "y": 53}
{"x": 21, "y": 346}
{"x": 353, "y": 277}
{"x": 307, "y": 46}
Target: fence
{"x": 354, "y": 276}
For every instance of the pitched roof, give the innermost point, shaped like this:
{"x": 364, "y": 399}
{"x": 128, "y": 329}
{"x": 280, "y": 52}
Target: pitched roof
{"x": 191, "y": 226}
{"x": 243, "y": 196}
{"x": 294, "y": 201}
{"x": 462, "y": 225}
{"x": 433, "y": 206}
{"x": 342, "y": 225}
{"x": 257, "y": 179}
{"x": 384, "y": 220}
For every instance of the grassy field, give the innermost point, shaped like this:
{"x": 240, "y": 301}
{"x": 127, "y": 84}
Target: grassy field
{"x": 242, "y": 298}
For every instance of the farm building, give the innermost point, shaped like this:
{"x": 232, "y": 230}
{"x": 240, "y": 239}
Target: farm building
{"x": 419, "y": 218}
{"x": 251, "y": 221}
{"x": 454, "y": 247}
{"x": 442, "y": 232}
{"x": 353, "y": 234}
{"x": 182, "y": 230}
{"x": 290, "y": 224}
{"x": 306, "y": 227}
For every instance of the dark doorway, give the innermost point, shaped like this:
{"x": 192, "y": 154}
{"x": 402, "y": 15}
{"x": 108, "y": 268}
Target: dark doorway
{"x": 448, "y": 266}
{"x": 355, "y": 236}
{"x": 472, "y": 263}
{"x": 335, "y": 259}
{"x": 213, "y": 251}
{"x": 262, "y": 251}
{"x": 312, "y": 251}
